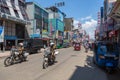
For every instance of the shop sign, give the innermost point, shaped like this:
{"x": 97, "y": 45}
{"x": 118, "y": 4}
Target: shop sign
{"x": 10, "y": 37}
{"x": 44, "y": 32}
{"x": 1, "y": 34}
{"x": 37, "y": 31}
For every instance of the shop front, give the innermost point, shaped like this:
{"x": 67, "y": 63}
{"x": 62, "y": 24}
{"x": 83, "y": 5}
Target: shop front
{"x": 59, "y": 41}
{"x": 10, "y": 41}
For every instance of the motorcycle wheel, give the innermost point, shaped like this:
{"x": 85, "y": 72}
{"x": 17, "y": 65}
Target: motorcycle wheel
{"x": 45, "y": 65}
{"x": 8, "y": 61}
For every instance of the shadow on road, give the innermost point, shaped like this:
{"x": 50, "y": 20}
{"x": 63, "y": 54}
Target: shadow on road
{"x": 91, "y": 71}
{"x": 114, "y": 76}
{"x": 88, "y": 72}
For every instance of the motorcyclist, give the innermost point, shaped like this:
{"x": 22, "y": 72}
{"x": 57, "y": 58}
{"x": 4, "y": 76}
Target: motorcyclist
{"x": 52, "y": 50}
{"x": 86, "y": 46}
{"x": 20, "y": 50}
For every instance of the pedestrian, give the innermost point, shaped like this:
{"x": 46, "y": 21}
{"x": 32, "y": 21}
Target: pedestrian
{"x": 86, "y": 47}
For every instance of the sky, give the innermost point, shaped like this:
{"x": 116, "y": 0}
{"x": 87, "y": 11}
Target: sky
{"x": 83, "y": 11}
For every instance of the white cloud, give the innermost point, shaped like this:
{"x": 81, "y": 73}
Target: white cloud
{"x": 89, "y": 24}
{"x": 90, "y": 27}
{"x": 75, "y": 23}
{"x": 86, "y": 18}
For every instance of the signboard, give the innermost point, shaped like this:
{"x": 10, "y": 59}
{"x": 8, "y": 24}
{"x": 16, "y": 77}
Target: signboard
{"x": 60, "y": 25}
{"x": 37, "y": 31}
{"x": 1, "y": 34}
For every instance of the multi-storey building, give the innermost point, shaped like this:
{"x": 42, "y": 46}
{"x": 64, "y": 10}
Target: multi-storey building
{"x": 115, "y": 14}
{"x": 56, "y": 25}
{"x": 39, "y": 21}
{"x": 68, "y": 27}
{"x": 13, "y": 19}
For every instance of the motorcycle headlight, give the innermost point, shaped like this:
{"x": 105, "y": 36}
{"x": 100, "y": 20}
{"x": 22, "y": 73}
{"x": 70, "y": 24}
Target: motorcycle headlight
{"x": 101, "y": 56}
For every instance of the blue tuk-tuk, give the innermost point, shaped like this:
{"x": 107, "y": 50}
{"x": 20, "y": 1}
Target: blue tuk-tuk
{"x": 106, "y": 54}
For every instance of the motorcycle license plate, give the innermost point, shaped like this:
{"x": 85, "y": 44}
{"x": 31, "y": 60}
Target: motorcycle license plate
{"x": 46, "y": 58}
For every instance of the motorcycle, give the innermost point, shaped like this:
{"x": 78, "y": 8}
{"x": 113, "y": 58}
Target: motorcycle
{"x": 48, "y": 58}
{"x": 15, "y": 57}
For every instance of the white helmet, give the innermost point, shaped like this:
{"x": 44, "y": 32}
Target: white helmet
{"x": 20, "y": 44}
{"x": 51, "y": 44}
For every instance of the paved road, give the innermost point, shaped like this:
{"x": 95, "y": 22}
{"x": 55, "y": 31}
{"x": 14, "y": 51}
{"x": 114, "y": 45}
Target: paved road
{"x": 71, "y": 65}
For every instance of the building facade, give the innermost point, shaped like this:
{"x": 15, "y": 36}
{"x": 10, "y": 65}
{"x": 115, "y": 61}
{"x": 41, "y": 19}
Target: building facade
{"x": 68, "y": 28}
{"x": 39, "y": 21}
{"x": 13, "y": 18}
{"x": 56, "y": 25}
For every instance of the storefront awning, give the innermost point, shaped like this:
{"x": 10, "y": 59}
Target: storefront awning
{"x": 10, "y": 37}
{"x": 35, "y": 36}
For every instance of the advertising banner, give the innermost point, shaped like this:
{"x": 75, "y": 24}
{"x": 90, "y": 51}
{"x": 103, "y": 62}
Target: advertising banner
{"x": 1, "y": 34}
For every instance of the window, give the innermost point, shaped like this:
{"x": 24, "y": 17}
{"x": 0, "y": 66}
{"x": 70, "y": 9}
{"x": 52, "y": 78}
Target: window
{"x": 7, "y": 10}
{"x": 9, "y": 29}
{"x": 2, "y": 9}
{"x": 16, "y": 13}
{"x": 37, "y": 10}
{"x": 13, "y": 3}
{"x": 4, "y": 2}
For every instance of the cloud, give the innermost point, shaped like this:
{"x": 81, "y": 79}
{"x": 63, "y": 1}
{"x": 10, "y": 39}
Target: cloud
{"x": 75, "y": 23}
{"x": 86, "y": 18}
{"x": 89, "y": 24}
{"x": 90, "y": 27}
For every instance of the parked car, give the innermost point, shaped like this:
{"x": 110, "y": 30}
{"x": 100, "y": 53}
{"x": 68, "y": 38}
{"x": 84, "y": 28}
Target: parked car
{"x": 33, "y": 45}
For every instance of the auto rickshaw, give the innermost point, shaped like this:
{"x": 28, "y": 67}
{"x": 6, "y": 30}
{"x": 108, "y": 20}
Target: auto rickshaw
{"x": 77, "y": 46}
{"x": 106, "y": 55}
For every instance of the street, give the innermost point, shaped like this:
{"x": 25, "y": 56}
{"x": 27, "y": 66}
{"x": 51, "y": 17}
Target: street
{"x": 70, "y": 65}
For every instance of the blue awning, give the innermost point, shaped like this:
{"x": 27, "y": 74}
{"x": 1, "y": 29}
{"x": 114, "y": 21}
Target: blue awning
{"x": 10, "y": 37}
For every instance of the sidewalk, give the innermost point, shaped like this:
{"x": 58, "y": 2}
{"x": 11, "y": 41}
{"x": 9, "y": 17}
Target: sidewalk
{"x": 4, "y": 54}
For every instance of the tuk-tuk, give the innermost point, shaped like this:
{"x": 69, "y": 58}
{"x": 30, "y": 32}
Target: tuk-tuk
{"x": 77, "y": 46}
{"x": 106, "y": 55}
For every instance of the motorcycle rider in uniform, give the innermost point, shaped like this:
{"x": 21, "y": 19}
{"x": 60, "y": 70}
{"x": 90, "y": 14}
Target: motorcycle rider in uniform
{"x": 52, "y": 50}
{"x": 20, "y": 50}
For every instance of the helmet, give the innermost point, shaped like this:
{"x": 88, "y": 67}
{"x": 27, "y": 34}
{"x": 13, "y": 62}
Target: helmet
{"x": 51, "y": 44}
{"x": 20, "y": 44}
